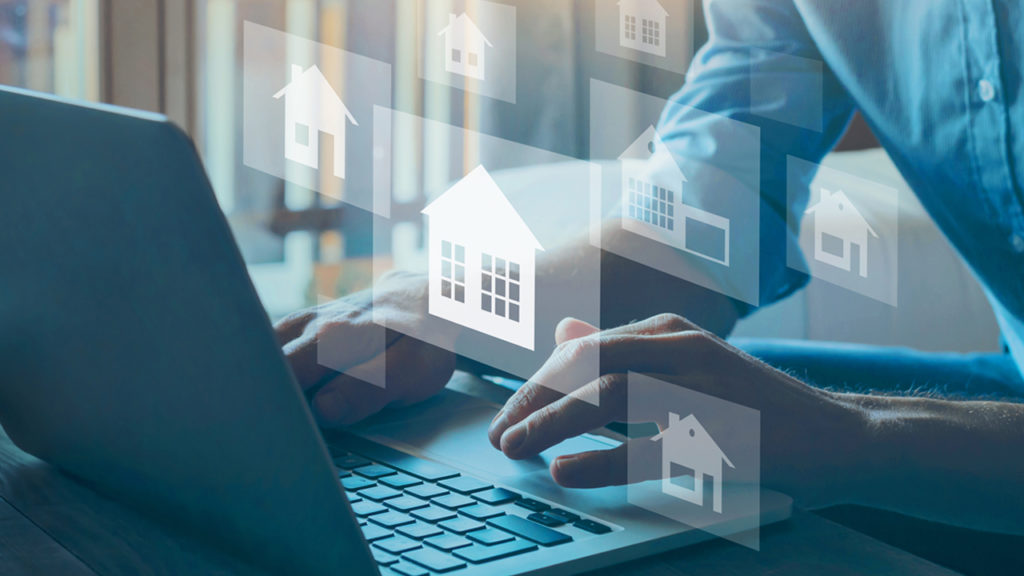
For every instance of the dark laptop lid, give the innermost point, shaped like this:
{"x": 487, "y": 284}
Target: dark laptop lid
{"x": 134, "y": 352}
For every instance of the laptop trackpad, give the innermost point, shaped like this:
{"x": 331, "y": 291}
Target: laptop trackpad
{"x": 452, "y": 428}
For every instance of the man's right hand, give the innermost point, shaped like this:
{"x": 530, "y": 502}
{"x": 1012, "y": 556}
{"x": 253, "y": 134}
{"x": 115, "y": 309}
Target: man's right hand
{"x": 348, "y": 335}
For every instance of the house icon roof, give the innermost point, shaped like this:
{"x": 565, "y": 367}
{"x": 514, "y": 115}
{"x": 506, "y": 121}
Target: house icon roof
{"x": 650, "y": 147}
{"x": 691, "y": 443}
{"x": 648, "y": 6}
{"x": 480, "y": 209}
{"x": 461, "y": 28}
{"x": 312, "y": 86}
{"x": 838, "y": 208}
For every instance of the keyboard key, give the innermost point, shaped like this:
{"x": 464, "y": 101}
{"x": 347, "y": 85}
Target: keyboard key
{"x": 424, "y": 469}
{"x": 374, "y": 471}
{"x": 342, "y": 473}
{"x": 479, "y": 553}
{"x": 447, "y": 542}
{"x": 383, "y": 558}
{"x": 391, "y": 519}
{"x": 496, "y": 496}
{"x": 373, "y": 532}
{"x": 490, "y": 536}
{"x": 454, "y": 501}
{"x": 350, "y": 461}
{"x": 352, "y": 497}
{"x": 353, "y": 483}
{"x": 531, "y": 504}
{"x": 592, "y": 527}
{"x": 433, "y": 514}
{"x": 379, "y": 493}
{"x": 464, "y": 485}
{"x": 426, "y": 491}
{"x": 397, "y": 544}
{"x": 543, "y": 518}
{"x": 563, "y": 515}
{"x": 400, "y": 481}
{"x": 461, "y": 525}
{"x": 406, "y": 503}
{"x": 529, "y": 530}
{"x": 480, "y": 511}
{"x": 419, "y": 530}
{"x": 434, "y": 560}
{"x": 407, "y": 569}
{"x": 366, "y": 508}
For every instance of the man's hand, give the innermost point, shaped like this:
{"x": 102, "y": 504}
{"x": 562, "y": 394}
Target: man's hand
{"x": 347, "y": 335}
{"x": 806, "y": 431}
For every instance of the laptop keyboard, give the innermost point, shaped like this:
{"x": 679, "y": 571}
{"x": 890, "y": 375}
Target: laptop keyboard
{"x": 423, "y": 518}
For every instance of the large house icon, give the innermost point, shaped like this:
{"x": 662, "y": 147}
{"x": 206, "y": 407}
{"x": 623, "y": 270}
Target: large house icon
{"x": 839, "y": 229}
{"x": 482, "y": 261}
{"x": 687, "y": 445}
{"x": 652, "y": 202}
{"x": 312, "y": 106}
{"x": 642, "y": 26}
{"x": 464, "y": 47}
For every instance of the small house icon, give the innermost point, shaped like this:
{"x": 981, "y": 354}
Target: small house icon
{"x": 312, "y": 106}
{"x": 482, "y": 261}
{"x": 464, "y": 47}
{"x": 687, "y": 445}
{"x": 839, "y": 228}
{"x": 642, "y": 26}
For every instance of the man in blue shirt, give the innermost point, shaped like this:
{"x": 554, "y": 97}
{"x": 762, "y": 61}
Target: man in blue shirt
{"x": 940, "y": 84}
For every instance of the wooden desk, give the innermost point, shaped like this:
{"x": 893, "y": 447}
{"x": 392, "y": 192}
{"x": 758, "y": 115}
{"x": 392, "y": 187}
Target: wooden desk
{"x": 51, "y": 523}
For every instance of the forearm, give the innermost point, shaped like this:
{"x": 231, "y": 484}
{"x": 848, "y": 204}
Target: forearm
{"x": 959, "y": 463}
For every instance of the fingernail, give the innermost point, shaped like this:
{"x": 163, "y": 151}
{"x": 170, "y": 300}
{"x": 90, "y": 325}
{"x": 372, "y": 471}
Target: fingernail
{"x": 563, "y": 470}
{"x": 329, "y": 409}
{"x": 513, "y": 439}
{"x": 497, "y": 422}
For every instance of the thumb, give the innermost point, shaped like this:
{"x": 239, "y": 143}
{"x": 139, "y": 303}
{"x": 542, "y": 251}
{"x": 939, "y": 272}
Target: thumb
{"x": 571, "y": 329}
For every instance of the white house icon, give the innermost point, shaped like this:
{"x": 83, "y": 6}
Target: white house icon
{"x": 652, "y": 202}
{"x": 482, "y": 261}
{"x": 464, "y": 47}
{"x": 312, "y": 106}
{"x": 687, "y": 445}
{"x": 642, "y": 26}
{"x": 839, "y": 228}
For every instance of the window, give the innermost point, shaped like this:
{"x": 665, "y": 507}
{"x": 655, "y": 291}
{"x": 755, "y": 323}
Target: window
{"x": 651, "y": 32}
{"x": 301, "y": 134}
{"x": 472, "y": 59}
{"x": 499, "y": 287}
{"x": 51, "y": 46}
{"x": 833, "y": 245}
{"x": 629, "y": 27}
{"x": 651, "y": 204}
{"x": 453, "y": 271}
{"x": 456, "y": 55}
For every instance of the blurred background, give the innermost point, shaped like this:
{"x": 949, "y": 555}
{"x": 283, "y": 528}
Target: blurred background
{"x": 184, "y": 58}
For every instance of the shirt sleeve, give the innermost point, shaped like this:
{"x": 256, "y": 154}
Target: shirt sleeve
{"x": 761, "y": 67}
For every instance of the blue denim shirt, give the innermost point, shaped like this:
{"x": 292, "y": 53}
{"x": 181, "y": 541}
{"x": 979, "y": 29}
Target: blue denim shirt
{"x": 939, "y": 81}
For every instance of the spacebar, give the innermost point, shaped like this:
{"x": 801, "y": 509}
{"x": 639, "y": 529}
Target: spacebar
{"x": 530, "y": 530}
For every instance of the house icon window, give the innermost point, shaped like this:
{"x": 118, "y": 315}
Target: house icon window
{"x": 686, "y": 446}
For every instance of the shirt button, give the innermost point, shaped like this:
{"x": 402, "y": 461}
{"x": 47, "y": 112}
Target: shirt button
{"x": 986, "y": 91}
{"x": 1018, "y": 243}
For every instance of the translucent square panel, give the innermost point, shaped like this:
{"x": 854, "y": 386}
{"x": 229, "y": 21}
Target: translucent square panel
{"x": 652, "y": 32}
{"x": 496, "y": 233}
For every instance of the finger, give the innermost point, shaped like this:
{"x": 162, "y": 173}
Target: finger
{"x": 332, "y": 344}
{"x": 571, "y": 329}
{"x": 637, "y": 460}
{"x": 346, "y": 400}
{"x": 567, "y": 417}
{"x": 664, "y": 343}
{"x": 290, "y": 327}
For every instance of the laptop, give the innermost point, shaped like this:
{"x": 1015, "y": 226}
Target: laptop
{"x": 136, "y": 356}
